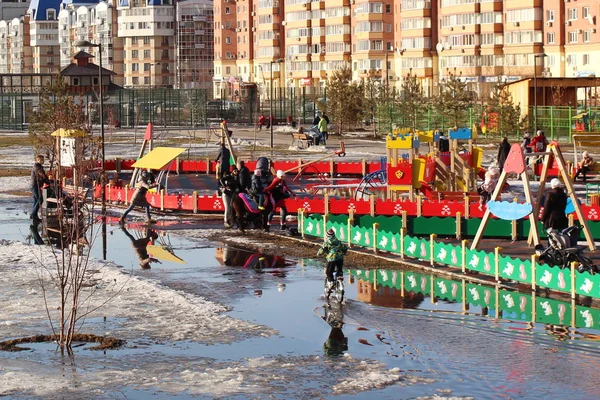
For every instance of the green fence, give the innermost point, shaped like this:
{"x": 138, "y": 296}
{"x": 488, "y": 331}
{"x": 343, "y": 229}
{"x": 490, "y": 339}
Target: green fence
{"x": 431, "y": 251}
{"x": 502, "y": 303}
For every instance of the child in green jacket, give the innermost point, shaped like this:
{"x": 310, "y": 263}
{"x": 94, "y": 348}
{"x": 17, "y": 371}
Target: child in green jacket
{"x": 334, "y": 251}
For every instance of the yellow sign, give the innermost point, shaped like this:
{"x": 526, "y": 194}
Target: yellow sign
{"x": 399, "y": 174}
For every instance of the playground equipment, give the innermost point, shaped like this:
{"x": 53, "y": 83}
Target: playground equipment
{"x": 372, "y": 181}
{"x": 457, "y": 170}
{"x": 159, "y": 159}
{"x": 515, "y": 163}
{"x": 341, "y": 152}
{"x": 406, "y": 171}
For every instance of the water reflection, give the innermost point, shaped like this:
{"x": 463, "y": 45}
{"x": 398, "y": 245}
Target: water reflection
{"x": 407, "y": 290}
{"x": 140, "y": 246}
{"x": 337, "y": 343}
{"x": 231, "y": 257}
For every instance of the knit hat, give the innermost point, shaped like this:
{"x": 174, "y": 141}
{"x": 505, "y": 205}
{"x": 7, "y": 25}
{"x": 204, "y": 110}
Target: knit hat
{"x": 554, "y": 183}
{"x": 280, "y": 174}
{"x": 330, "y": 232}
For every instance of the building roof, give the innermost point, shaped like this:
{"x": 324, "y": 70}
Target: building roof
{"x": 82, "y": 54}
{"x": 37, "y": 9}
{"x": 89, "y": 70}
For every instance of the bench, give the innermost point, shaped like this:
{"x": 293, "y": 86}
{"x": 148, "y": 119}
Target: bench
{"x": 591, "y": 174}
{"x": 302, "y": 140}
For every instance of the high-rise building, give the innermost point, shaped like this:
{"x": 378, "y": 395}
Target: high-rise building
{"x": 148, "y": 30}
{"x": 43, "y": 32}
{"x": 10, "y": 9}
{"x": 195, "y": 44}
{"x": 479, "y": 41}
{"x": 96, "y": 22}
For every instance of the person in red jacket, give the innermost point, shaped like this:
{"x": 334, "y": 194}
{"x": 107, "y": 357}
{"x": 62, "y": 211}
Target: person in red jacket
{"x": 538, "y": 145}
{"x": 280, "y": 191}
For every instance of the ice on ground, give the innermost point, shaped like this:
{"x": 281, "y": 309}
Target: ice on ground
{"x": 133, "y": 306}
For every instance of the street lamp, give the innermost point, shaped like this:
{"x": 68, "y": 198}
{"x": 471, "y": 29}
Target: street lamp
{"x": 535, "y": 57}
{"x": 278, "y": 61}
{"x": 87, "y": 43}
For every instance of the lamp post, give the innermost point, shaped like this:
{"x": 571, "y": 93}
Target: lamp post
{"x": 535, "y": 57}
{"x": 278, "y": 61}
{"x": 86, "y": 43}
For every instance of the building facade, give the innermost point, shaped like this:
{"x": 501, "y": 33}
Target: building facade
{"x": 43, "y": 36}
{"x": 297, "y": 43}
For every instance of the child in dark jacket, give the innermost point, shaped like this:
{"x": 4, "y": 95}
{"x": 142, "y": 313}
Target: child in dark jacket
{"x": 334, "y": 251}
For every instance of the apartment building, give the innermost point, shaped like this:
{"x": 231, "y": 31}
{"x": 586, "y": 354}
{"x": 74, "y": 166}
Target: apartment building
{"x": 96, "y": 22}
{"x": 19, "y": 57}
{"x": 43, "y": 36}
{"x": 148, "y": 30}
{"x": 10, "y": 9}
{"x": 480, "y": 41}
{"x": 195, "y": 44}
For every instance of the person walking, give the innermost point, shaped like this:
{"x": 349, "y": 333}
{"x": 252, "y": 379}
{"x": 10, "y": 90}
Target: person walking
{"x": 334, "y": 251}
{"x": 280, "y": 191}
{"x": 145, "y": 181}
{"x": 223, "y": 158}
{"x": 585, "y": 166}
{"x": 503, "y": 151}
{"x": 554, "y": 215}
{"x": 244, "y": 177}
{"x": 39, "y": 180}
{"x": 323, "y": 129}
{"x": 229, "y": 187}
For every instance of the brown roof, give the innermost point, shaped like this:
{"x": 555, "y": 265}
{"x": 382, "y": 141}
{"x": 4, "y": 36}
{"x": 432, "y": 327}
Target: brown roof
{"x": 82, "y": 54}
{"x": 89, "y": 70}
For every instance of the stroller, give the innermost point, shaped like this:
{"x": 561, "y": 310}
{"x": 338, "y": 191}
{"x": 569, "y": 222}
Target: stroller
{"x": 315, "y": 135}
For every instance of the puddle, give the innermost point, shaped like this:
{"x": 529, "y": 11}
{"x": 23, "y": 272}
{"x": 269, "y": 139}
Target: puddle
{"x": 440, "y": 346}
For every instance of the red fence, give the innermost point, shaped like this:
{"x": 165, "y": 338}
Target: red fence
{"x": 320, "y": 205}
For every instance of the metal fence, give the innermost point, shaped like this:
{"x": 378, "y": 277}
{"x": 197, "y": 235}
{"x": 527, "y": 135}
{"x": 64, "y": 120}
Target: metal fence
{"x": 196, "y": 107}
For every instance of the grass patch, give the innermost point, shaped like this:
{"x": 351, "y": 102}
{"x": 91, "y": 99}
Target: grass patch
{"x": 9, "y": 141}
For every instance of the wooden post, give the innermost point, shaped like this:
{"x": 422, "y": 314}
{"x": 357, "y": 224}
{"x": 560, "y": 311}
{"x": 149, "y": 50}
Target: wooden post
{"x": 350, "y": 224}
{"x": 118, "y": 165}
{"x": 195, "y": 200}
{"x": 497, "y": 302}
{"x": 431, "y": 249}
{"x": 465, "y": 307}
{"x": 325, "y": 218}
{"x": 374, "y": 280}
{"x": 533, "y": 306}
{"x": 402, "y": 283}
{"x": 331, "y": 167}
{"x": 573, "y": 281}
{"x": 402, "y": 234}
{"x": 372, "y": 205}
{"x": 464, "y": 256}
{"x": 573, "y": 312}
{"x": 513, "y": 230}
{"x": 467, "y": 204}
{"x": 326, "y": 203}
{"x": 364, "y": 166}
{"x": 497, "y": 263}
{"x": 571, "y": 219}
{"x": 375, "y": 226}
{"x": 419, "y": 205}
{"x": 207, "y": 166}
{"x": 301, "y": 213}
{"x": 458, "y": 226}
{"x": 404, "y": 219}
{"x": 432, "y": 289}
{"x": 534, "y": 258}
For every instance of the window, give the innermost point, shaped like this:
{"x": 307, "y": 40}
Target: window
{"x": 50, "y": 15}
{"x": 95, "y": 81}
{"x": 228, "y": 70}
{"x": 571, "y": 59}
{"x": 75, "y": 81}
{"x": 550, "y": 15}
{"x": 573, "y": 37}
{"x": 227, "y": 40}
{"x": 134, "y": 54}
{"x": 135, "y": 67}
{"x": 388, "y": 8}
{"x": 146, "y": 53}
{"x": 585, "y": 12}
{"x": 586, "y": 36}
{"x": 146, "y": 39}
{"x": 147, "y": 67}
{"x": 227, "y": 10}
{"x": 146, "y": 80}
{"x": 586, "y": 59}
{"x": 550, "y": 37}
{"x": 572, "y": 13}
{"x": 135, "y": 80}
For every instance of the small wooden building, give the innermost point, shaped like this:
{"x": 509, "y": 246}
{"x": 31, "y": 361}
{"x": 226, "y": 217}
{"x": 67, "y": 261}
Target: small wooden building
{"x": 82, "y": 75}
